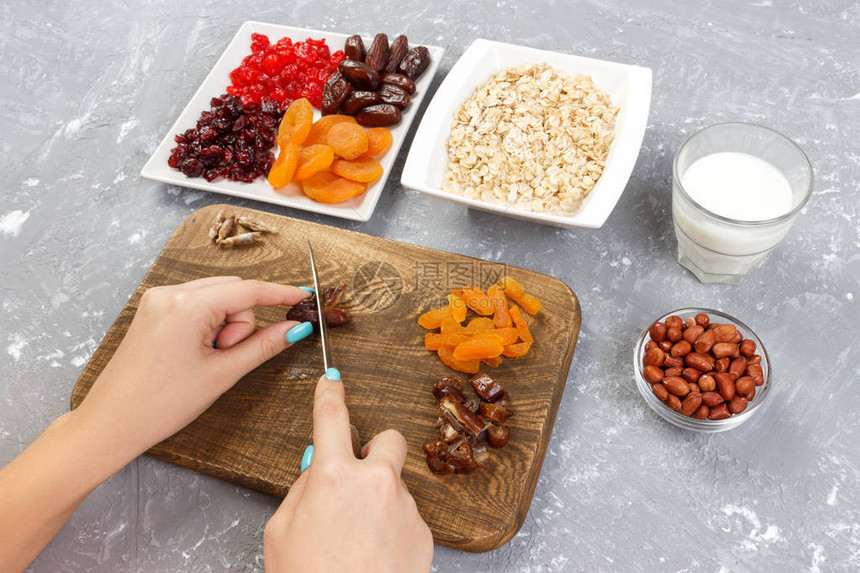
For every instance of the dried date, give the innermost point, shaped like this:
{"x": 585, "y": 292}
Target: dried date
{"x": 379, "y": 115}
{"x": 415, "y": 62}
{"x": 394, "y": 95}
{"x": 353, "y": 49}
{"x": 398, "y": 50}
{"x": 337, "y": 89}
{"x": 358, "y": 100}
{"x": 360, "y": 75}
{"x": 377, "y": 55}
{"x": 399, "y": 80}
{"x": 306, "y": 310}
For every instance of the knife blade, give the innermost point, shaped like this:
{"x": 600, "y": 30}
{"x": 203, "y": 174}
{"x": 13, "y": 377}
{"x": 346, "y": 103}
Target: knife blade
{"x": 326, "y": 349}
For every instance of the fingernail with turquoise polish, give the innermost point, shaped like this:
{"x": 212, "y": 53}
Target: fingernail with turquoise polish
{"x": 332, "y": 374}
{"x": 307, "y": 458}
{"x": 299, "y": 332}
{"x": 307, "y": 289}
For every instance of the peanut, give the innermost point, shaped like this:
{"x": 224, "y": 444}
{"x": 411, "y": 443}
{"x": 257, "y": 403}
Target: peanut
{"x": 744, "y": 384}
{"x": 654, "y": 374}
{"x": 702, "y": 412}
{"x": 660, "y": 391}
{"x": 699, "y": 361}
{"x": 676, "y": 386}
{"x": 737, "y": 367}
{"x": 692, "y": 402}
{"x": 658, "y": 332}
{"x": 725, "y": 386}
{"x": 654, "y": 357}
{"x": 707, "y": 383}
{"x": 674, "y": 334}
{"x": 703, "y": 320}
{"x": 748, "y": 347}
{"x": 691, "y": 374}
{"x": 725, "y": 349}
{"x": 711, "y": 399}
{"x": 692, "y": 334}
{"x": 681, "y": 348}
{"x": 720, "y": 412}
{"x": 674, "y": 402}
{"x": 738, "y": 404}
{"x": 725, "y": 332}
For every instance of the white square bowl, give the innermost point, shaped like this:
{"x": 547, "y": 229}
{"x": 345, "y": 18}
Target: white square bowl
{"x": 629, "y": 88}
{"x": 358, "y": 208}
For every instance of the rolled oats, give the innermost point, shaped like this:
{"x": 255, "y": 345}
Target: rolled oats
{"x": 533, "y": 137}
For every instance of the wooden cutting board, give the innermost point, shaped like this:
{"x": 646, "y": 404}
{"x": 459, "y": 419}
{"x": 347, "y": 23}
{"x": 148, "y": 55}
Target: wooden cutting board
{"x": 254, "y": 435}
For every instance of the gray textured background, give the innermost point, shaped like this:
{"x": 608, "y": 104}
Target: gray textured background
{"x": 89, "y": 88}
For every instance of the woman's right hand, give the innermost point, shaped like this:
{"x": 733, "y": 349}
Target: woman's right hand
{"x": 344, "y": 513}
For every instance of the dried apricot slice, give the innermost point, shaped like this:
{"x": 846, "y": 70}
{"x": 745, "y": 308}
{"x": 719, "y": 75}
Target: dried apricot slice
{"x": 522, "y": 326}
{"x": 296, "y": 123}
{"x": 516, "y": 350}
{"x": 515, "y": 290}
{"x": 478, "y": 348}
{"x": 326, "y": 187}
{"x": 450, "y": 325}
{"x": 501, "y": 315}
{"x": 284, "y": 166}
{"x": 458, "y": 307}
{"x": 348, "y": 140}
{"x": 477, "y": 301}
{"x": 319, "y": 130}
{"x": 494, "y": 361}
{"x": 480, "y": 324}
{"x": 446, "y": 355}
{"x": 435, "y": 341}
{"x": 313, "y": 159}
{"x": 378, "y": 141}
{"x": 433, "y": 318}
{"x": 363, "y": 170}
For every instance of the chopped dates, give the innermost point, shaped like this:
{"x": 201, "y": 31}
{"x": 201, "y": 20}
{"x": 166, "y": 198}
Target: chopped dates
{"x": 467, "y": 426}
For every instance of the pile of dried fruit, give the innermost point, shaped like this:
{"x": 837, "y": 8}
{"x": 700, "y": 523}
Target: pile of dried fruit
{"x": 499, "y": 329}
{"x": 700, "y": 368}
{"x": 467, "y": 425}
{"x": 230, "y": 231}
{"x": 284, "y": 71}
{"x": 334, "y": 158}
{"x": 232, "y": 140}
{"x": 374, "y": 85}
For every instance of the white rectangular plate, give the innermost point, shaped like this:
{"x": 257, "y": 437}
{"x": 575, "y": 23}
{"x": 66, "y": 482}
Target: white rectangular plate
{"x": 358, "y": 208}
{"x": 629, "y": 88}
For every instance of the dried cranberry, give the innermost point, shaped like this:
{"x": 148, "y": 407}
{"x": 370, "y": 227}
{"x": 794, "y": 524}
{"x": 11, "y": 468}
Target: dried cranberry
{"x": 213, "y": 150}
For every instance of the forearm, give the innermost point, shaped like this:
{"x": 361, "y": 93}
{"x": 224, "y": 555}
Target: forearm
{"x": 41, "y": 488}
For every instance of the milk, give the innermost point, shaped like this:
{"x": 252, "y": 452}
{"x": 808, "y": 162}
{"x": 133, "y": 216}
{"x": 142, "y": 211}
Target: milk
{"x": 747, "y": 190}
{"x": 738, "y": 186}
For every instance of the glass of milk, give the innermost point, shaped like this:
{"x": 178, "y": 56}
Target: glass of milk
{"x": 737, "y": 188}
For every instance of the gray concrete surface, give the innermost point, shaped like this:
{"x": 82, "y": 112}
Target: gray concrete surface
{"x": 88, "y": 89}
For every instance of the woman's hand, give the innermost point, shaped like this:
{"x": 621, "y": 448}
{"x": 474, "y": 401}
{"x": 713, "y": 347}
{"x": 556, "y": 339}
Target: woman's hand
{"x": 166, "y": 372}
{"x": 163, "y": 375}
{"x": 346, "y": 514}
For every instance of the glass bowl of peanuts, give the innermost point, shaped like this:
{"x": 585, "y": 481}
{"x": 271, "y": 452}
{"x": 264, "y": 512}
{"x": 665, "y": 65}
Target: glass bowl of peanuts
{"x": 701, "y": 369}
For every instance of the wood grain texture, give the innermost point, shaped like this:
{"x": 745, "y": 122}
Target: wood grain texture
{"x": 254, "y": 435}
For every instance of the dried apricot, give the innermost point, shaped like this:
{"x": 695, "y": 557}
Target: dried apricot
{"x": 478, "y": 348}
{"x": 284, "y": 166}
{"x": 501, "y": 315}
{"x": 319, "y": 130}
{"x": 479, "y": 324}
{"x": 296, "y": 123}
{"x": 458, "y": 307}
{"x": 515, "y": 290}
{"x": 494, "y": 361}
{"x": 477, "y": 301}
{"x": 433, "y": 318}
{"x": 450, "y": 325}
{"x": 378, "y": 141}
{"x": 326, "y": 187}
{"x": 435, "y": 341}
{"x": 516, "y": 350}
{"x": 313, "y": 159}
{"x": 522, "y": 326}
{"x": 348, "y": 140}
{"x": 446, "y": 355}
{"x": 362, "y": 170}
